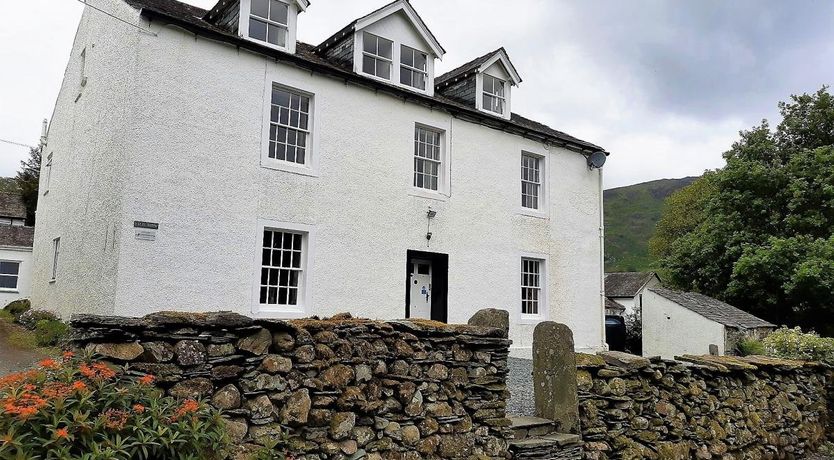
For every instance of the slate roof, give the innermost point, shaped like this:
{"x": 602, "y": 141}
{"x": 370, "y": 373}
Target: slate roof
{"x": 713, "y": 309}
{"x": 626, "y": 284}
{"x": 468, "y": 67}
{"x": 611, "y": 305}
{"x": 11, "y": 205}
{"x": 22, "y": 237}
{"x": 193, "y": 19}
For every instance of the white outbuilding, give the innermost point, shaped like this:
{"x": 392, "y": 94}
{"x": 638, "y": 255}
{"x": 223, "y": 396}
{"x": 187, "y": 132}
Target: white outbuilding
{"x": 677, "y": 323}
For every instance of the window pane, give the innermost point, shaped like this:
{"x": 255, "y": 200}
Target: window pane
{"x": 9, "y": 268}
{"x": 384, "y": 70}
{"x": 278, "y": 12}
{"x": 263, "y": 295}
{"x": 420, "y": 60}
{"x": 369, "y": 65}
{"x": 407, "y": 56}
{"x": 369, "y": 42}
{"x": 405, "y": 76}
{"x": 8, "y": 282}
{"x": 386, "y": 48}
{"x": 277, "y": 35}
{"x": 293, "y": 298}
{"x": 419, "y": 81}
{"x": 280, "y": 97}
{"x": 260, "y": 8}
{"x": 257, "y": 29}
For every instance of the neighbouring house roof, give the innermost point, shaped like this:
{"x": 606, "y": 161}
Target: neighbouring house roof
{"x": 713, "y": 309}
{"x": 20, "y": 237}
{"x": 626, "y": 284}
{"x": 475, "y": 65}
{"x": 11, "y": 205}
{"x": 611, "y": 305}
{"x": 193, "y": 19}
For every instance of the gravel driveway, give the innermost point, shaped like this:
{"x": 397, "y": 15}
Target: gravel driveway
{"x": 520, "y": 384}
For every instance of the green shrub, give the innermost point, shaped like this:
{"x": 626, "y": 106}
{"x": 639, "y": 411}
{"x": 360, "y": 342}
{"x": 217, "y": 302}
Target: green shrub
{"x": 88, "y": 410}
{"x": 50, "y": 332}
{"x": 18, "y": 307}
{"x": 29, "y": 319}
{"x": 750, "y": 347}
{"x": 795, "y": 344}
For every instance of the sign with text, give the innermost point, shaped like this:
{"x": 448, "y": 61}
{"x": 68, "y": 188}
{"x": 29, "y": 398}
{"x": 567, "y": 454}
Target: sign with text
{"x": 145, "y": 231}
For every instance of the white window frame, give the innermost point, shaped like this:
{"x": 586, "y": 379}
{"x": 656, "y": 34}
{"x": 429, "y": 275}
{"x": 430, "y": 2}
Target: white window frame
{"x": 311, "y": 162}
{"x": 56, "y": 253}
{"x": 501, "y": 98}
{"x": 479, "y": 99}
{"x": 543, "y": 211}
{"x": 396, "y": 62}
{"x": 444, "y": 170}
{"x": 411, "y": 68}
{"x": 543, "y": 305}
{"x": 16, "y": 287}
{"x": 377, "y": 57}
{"x": 292, "y": 20}
{"x": 303, "y": 308}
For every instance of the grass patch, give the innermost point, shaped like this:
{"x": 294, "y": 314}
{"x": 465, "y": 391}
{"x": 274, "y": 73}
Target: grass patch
{"x": 23, "y": 339}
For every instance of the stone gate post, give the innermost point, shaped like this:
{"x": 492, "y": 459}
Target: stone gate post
{"x": 554, "y": 376}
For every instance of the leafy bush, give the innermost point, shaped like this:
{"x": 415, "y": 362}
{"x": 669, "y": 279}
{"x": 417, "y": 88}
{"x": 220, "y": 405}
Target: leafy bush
{"x": 750, "y": 347}
{"x": 90, "y": 411}
{"x": 795, "y": 344}
{"x": 30, "y": 318}
{"x": 634, "y": 333}
{"x": 17, "y": 308}
{"x": 49, "y": 333}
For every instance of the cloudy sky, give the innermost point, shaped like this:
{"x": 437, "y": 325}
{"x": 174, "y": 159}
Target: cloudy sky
{"x": 664, "y": 85}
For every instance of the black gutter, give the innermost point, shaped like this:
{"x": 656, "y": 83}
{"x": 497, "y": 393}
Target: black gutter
{"x": 458, "y": 111}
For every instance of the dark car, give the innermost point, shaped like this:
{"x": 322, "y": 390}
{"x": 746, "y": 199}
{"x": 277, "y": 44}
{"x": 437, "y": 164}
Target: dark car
{"x": 615, "y": 332}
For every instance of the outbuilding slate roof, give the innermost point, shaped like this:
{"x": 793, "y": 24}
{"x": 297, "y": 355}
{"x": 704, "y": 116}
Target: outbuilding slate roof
{"x": 194, "y": 20}
{"x": 611, "y": 305}
{"x": 713, "y": 309}
{"x": 21, "y": 237}
{"x": 626, "y": 284}
{"x": 11, "y": 205}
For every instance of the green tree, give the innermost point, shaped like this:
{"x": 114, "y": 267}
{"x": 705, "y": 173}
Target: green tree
{"x": 28, "y": 179}
{"x": 758, "y": 232}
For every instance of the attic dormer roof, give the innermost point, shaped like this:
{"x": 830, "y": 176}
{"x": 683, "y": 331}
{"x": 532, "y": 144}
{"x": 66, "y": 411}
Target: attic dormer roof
{"x": 383, "y": 12}
{"x": 222, "y": 4}
{"x": 480, "y": 64}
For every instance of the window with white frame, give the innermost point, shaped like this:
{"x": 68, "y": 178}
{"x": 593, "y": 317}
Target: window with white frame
{"x": 427, "y": 158}
{"x": 289, "y": 126}
{"x": 268, "y": 22}
{"x": 9, "y": 270}
{"x": 56, "y": 251}
{"x": 282, "y": 268}
{"x": 531, "y": 181}
{"x": 531, "y": 286}
{"x": 377, "y": 56}
{"x": 413, "y": 67}
{"x": 494, "y": 99}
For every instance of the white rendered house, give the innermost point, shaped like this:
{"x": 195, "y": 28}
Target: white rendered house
{"x": 207, "y": 160}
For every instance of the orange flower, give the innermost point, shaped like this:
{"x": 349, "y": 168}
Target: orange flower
{"x": 138, "y": 408}
{"x": 49, "y": 363}
{"x": 17, "y": 378}
{"x": 62, "y": 433}
{"x": 79, "y": 385}
{"x": 68, "y": 355}
{"x": 114, "y": 419}
{"x": 188, "y": 407}
{"x": 147, "y": 379}
{"x": 56, "y": 390}
{"x": 96, "y": 371}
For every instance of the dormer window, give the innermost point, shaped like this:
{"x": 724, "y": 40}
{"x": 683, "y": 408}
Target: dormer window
{"x": 378, "y": 56}
{"x": 268, "y": 22}
{"x": 413, "y": 70}
{"x": 494, "y": 99}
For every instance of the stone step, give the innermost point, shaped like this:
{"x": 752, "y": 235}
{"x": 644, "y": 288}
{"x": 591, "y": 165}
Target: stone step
{"x": 553, "y": 446}
{"x": 528, "y": 427}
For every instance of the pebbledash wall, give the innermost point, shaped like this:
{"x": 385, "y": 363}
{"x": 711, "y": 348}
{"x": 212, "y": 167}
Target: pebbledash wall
{"x": 343, "y": 387}
{"x": 192, "y": 163}
{"x": 702, "y": 407}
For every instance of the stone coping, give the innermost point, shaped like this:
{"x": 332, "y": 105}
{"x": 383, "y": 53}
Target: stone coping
{"x": 231, "y": 320}
{"x": 722, "y": 364}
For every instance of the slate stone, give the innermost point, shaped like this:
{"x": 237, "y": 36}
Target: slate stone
{"x": 554, "y": 376}
{"x": 493, "y": 318}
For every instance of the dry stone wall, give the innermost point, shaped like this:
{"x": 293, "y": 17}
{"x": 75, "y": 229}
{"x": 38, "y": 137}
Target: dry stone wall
{"x": 341, "y": 388}
{"x": 701, "y": 407}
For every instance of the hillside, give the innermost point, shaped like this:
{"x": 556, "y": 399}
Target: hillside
{"x": 631, "y": 214}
